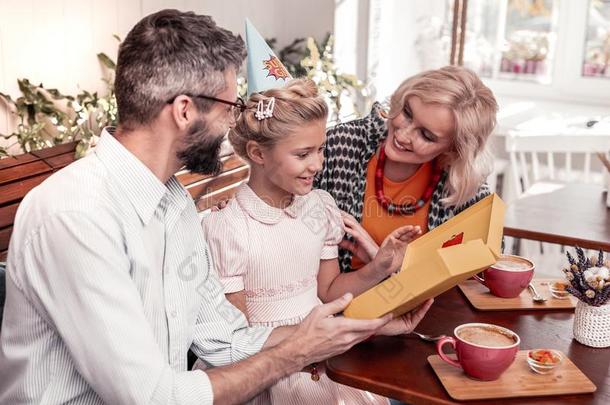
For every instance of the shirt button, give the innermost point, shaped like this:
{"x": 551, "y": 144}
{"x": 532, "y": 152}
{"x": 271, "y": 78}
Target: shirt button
{"x": 174, "y": 313}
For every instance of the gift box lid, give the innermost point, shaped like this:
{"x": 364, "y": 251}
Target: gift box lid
{"x": 437, "y": 261}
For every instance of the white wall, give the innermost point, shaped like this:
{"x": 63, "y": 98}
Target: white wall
{"x": 401, "y": 48}
{"x": 56, "y": 41}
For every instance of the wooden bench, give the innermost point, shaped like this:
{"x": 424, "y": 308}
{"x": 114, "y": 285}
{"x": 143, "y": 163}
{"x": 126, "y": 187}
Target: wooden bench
{"x": 19, "y": 174}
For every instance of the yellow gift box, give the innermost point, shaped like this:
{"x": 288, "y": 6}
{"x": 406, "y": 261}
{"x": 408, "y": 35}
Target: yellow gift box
{"x": 430, "y": 269}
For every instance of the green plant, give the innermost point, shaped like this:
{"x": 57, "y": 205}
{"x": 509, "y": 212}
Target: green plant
{"x": 46, "y": 117}
{"x": 304, "y": 57}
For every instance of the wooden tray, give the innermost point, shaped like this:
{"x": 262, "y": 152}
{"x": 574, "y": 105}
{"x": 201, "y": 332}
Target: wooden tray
{"x": 518, "y": 381}
{"x": 480, "y": 297}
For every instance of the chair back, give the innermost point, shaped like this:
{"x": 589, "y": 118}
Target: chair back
{"x": 565, "y": 158}
{"x": 554, "y": 157}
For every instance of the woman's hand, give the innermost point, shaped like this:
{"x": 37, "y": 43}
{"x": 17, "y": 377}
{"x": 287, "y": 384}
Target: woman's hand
{"x": 392, "y": 251}
{"x": 363, "y": 246}
{"x": 407, "y": 322}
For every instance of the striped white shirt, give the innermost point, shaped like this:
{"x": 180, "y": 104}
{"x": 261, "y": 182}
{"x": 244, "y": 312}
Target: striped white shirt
{"x": 108, "y": 286}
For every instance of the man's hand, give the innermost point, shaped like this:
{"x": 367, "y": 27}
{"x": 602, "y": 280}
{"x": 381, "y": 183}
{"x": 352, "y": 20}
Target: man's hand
{"x": 407, "y": 322}
{"x": 322, "y": 335}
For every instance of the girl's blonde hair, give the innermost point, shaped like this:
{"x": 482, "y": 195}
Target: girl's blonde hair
{"x": 296, "y": 104}
{"x": 474, "y": 108}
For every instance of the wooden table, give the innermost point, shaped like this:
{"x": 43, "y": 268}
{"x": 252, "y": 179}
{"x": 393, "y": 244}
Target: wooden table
{"x": 397, "y": 367}
{"x": 567, "y": 214}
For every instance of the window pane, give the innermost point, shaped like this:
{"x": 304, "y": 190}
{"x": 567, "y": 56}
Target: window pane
{"x": 482, "y": 36}
{"x": 596, "y": 61}
{"x": 511, "y": 40}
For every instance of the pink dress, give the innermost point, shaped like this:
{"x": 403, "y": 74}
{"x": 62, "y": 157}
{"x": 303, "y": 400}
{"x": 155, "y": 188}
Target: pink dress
{"x": 274, "y": 256}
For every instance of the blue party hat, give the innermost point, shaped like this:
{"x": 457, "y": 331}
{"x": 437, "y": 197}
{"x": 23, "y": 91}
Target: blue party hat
{"x": 265, "y": 71}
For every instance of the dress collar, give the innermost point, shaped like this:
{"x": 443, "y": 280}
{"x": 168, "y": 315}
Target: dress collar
{"x": 258, "y": 209}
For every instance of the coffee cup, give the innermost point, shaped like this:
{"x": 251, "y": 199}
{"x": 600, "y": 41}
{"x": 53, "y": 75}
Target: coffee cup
{"x": 508, "y": 277}
{"x": 484, "y": 351}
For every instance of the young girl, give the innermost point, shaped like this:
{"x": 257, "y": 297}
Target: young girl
{"x": 275, "y": 244}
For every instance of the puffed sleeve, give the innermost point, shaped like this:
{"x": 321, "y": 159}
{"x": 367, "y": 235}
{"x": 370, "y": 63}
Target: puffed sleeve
{"x": 334, "y": 225}
{"x": 226, "y": 234}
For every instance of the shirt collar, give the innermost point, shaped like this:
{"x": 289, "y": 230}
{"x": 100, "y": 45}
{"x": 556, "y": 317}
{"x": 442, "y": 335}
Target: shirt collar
{"x": 263, "y": 212}
{"x": 143, "y": 189}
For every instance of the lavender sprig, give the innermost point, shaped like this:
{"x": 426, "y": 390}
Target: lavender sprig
{"x": 581, "y": 256}
{"x": 582, "y": 259}
{"x": 576, "y": 293}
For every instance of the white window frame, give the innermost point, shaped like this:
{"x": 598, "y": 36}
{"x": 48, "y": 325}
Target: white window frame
{"x": 357, "y": 49}
{"x": 567, "y": 83}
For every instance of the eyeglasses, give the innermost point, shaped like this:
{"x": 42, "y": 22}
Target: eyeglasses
{"x": 237, "y": 107}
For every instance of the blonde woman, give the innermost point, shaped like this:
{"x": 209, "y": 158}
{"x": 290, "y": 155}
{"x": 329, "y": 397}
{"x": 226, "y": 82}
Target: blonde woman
{"x": 418, "y": 164}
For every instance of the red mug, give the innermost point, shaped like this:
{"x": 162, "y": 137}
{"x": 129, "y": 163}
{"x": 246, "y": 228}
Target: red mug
{"x": 508, "y": 277}
{"x": 484, "y": 351}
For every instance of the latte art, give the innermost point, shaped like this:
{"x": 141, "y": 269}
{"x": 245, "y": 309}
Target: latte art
{"x": 486, "y": 336}
{"x": 512, "y": 264}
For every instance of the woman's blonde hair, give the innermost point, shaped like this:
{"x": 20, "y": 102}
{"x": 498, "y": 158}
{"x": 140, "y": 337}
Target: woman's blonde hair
{"x": 474, "y": 108}
{"x": 296, "y": 104}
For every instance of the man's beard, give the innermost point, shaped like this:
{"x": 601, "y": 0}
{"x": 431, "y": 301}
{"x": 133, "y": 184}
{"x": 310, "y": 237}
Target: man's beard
{"x": 202, "y": 152}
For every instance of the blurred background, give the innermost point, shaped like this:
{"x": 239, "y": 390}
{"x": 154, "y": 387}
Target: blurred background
{"x": 547, "y": 62}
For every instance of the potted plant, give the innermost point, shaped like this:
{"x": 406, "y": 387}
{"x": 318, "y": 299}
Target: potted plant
{"x": 589, "y": 280}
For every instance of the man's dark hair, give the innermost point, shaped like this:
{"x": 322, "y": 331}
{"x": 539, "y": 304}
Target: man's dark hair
{"x": 169, "y": 53}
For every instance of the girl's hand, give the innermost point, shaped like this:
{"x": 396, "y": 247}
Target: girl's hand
{"x": 392, "y": 251}
{"x": 363, "y": 246}
{"x": 219, "y": 206}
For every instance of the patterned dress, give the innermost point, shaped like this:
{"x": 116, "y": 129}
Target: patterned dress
{"x": 274, "y": 255}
